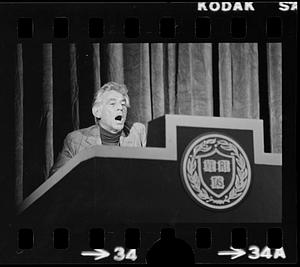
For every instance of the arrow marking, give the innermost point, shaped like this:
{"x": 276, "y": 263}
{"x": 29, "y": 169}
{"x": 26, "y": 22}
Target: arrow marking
{"x": 234, "y": 253}
{"x": 97, "y": 253}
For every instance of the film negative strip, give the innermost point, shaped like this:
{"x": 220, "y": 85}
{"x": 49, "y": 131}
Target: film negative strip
{"x": 148, "y": 132}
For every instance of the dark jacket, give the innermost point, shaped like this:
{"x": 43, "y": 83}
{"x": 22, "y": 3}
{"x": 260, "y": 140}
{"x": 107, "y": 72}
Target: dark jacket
{"x": 132, "y": 136}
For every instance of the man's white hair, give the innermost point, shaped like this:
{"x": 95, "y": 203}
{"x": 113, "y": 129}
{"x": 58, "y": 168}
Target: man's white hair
{"x": 121, "y": 88}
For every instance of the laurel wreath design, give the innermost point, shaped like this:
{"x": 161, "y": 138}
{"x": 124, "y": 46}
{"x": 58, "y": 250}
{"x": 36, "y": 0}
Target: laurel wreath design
{"x": 241, "y": 171}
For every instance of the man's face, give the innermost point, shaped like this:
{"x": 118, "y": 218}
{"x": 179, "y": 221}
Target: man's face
{"x": 113, "y": 112}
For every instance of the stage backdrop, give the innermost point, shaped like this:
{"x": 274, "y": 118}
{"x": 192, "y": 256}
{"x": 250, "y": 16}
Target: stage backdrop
{"x": 55, "y": 83}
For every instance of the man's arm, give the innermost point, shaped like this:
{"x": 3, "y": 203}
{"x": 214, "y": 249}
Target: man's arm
{"x": 140, "y": 131}
{"x": 65, "y": 155}
{"x": 143, "y": 136}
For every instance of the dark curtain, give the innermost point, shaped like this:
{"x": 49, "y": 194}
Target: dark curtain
{"x": 275, "y": 95}
{"x": 55, "y": 84}
{"x": 238, "y": 72}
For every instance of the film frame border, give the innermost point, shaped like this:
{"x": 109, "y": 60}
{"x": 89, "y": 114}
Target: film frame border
{"x": 186, "y": 34}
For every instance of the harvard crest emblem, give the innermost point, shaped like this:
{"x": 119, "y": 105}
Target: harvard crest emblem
{"x": 216, "y": 171}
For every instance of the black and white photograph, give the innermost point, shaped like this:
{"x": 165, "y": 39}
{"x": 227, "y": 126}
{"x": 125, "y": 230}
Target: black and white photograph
{"x": 128, "y": 139}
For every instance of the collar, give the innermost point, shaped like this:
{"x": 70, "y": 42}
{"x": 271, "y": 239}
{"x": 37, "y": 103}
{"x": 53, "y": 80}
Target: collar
{"x": 94, "y": 135}
{"x": 109, "y": 138}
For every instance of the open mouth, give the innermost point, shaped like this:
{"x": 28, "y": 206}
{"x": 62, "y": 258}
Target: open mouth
{"x": 118, "y": 118}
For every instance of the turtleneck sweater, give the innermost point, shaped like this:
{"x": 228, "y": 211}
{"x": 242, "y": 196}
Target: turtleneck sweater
{"x": 108, "y": 138}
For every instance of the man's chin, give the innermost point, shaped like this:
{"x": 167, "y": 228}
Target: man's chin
{"x": 119, "y": 127}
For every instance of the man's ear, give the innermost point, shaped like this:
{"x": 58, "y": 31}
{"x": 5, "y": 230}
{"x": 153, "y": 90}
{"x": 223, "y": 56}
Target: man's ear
{"x": 97, "y": 110}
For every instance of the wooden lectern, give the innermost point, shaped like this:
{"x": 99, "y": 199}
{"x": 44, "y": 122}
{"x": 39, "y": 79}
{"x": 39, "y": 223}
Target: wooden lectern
{"x": 107, "y": 185}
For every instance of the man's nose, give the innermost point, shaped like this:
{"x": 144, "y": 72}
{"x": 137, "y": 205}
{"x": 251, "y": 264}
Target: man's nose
{"x": 119, "y": 107}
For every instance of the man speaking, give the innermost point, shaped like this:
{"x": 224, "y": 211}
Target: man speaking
{"x": 109, "y": 108}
